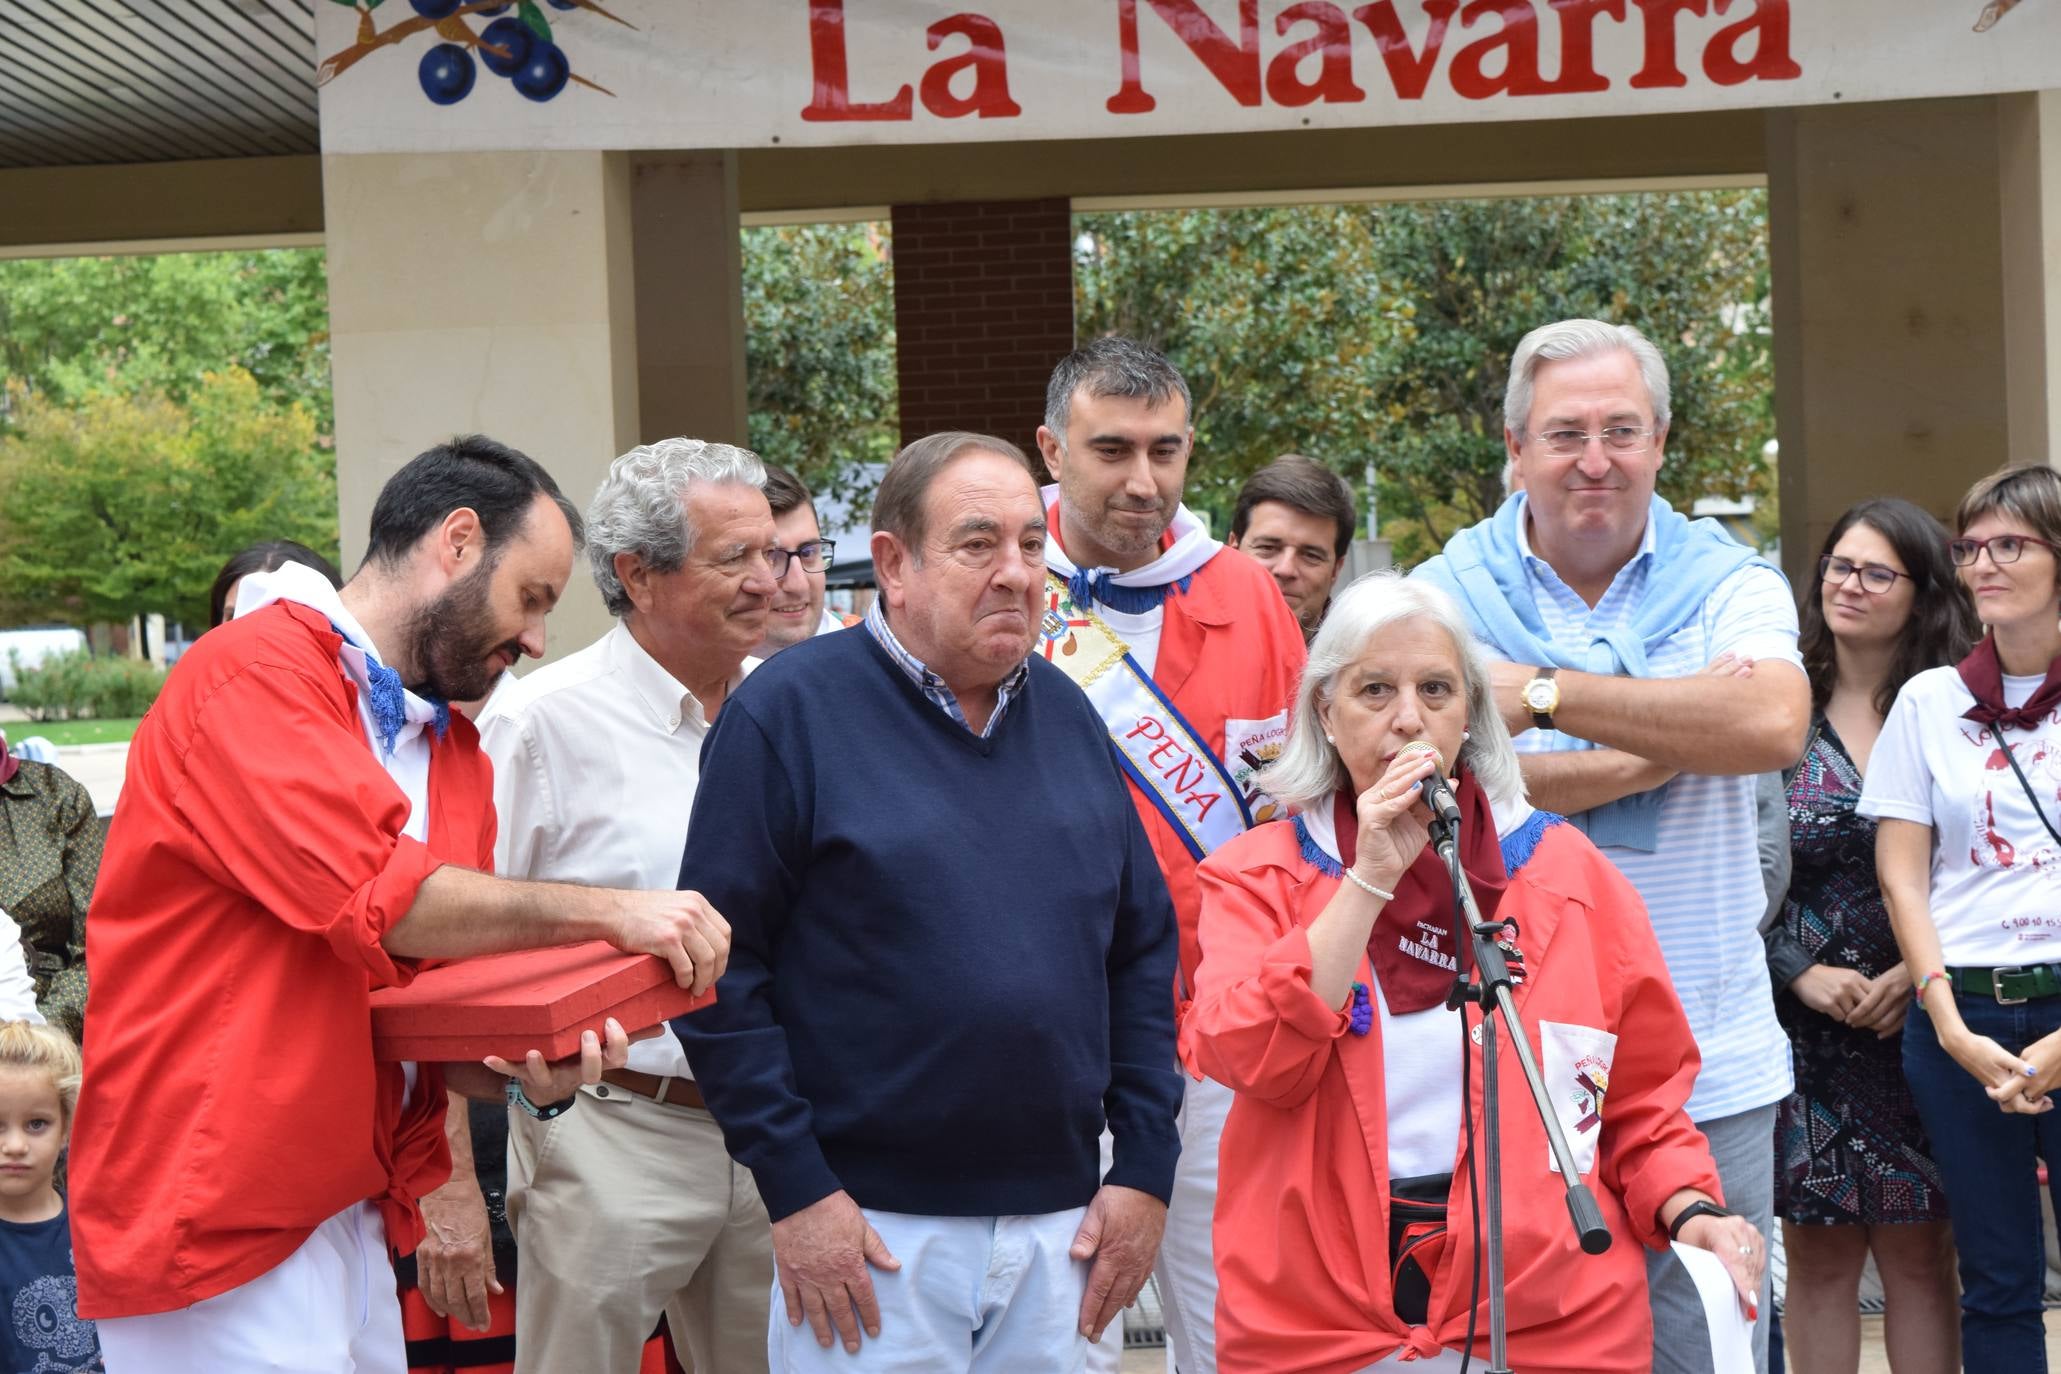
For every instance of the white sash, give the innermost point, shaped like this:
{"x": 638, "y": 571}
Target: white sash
{"x": 1159, "y": 749}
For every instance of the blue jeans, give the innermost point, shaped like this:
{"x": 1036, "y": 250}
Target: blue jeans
{"x": 1989, "y": 1162}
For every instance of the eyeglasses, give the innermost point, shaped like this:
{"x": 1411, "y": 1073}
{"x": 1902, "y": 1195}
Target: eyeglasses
{"x": 1833, "y": 572}
{"x": 814, "y": 556}
{"x": 2003, "y": 548}
{"x": 1570, "y": 443}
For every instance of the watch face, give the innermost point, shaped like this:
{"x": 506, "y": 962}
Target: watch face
{"x": 1539, "y": 695}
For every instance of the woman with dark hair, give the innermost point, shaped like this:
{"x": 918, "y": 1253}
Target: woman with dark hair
{"x": 1854, "y": 1175}
{"x": 270, "y": 556}
{"x": 1965, "y": 786}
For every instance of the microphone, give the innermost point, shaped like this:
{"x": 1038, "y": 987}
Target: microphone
{"x": 1438, "y": 792}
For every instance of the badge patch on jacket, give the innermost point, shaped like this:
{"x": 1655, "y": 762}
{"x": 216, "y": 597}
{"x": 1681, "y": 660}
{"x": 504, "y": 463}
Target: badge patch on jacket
{"x": 1577, "y": 1070}
{"x": 1250, "y": 745}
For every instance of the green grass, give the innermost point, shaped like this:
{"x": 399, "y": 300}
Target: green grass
{"x": 64, "y": 733}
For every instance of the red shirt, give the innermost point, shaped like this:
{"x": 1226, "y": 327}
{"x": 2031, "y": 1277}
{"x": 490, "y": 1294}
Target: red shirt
{"x": 1230, "y": 650}
{"x": 1301, "y": 1233}
{"x": 231, "y": 1102}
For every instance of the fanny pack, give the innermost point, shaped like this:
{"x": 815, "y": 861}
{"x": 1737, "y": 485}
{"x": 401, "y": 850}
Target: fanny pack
{"x": 1416, "y": 1241}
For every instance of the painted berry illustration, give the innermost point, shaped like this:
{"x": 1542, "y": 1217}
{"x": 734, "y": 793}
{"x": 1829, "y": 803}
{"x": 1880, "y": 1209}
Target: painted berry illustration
{"x": 521, "y": 48}
{"x": 447, "y": 73}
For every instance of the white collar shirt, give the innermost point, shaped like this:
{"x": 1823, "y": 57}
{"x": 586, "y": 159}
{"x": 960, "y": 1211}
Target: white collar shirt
{"x": 596, "y": 762}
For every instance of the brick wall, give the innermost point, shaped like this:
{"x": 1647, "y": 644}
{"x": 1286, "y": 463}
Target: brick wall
{"x": 983, "y": 309}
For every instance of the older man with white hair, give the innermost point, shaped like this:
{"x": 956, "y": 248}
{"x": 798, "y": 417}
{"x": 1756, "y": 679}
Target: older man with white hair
{"x": 1609, "y": 606}
{"x": 631, "y": 1207}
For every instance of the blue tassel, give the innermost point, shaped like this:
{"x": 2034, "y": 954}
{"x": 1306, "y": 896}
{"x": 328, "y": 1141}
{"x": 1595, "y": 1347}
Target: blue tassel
{"x": 1521, "y": 842}
{"x": 1314, "y": 855}
{"x": 387, "y": 695}
{"x": 1085, "y": 588}
{"x": 1363, "y": 1010}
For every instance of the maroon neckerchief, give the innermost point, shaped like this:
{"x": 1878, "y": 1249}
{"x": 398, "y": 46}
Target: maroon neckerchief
{"x": 1983, "y": 675}
{"x": 9, "y": 764}
{"x": 1414, "y": 932}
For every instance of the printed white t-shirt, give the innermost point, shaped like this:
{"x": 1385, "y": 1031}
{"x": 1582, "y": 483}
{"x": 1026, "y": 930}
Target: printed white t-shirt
{"x": 1996, "y": 872}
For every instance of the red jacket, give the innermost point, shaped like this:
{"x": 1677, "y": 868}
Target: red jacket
{"x": 1301, "y": 1235}
{"x": 1229, "y": 650}
{"x": 231, "y": 1102}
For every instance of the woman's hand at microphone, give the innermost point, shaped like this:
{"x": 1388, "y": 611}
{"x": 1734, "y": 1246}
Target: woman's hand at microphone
{"x": 1394, "y": 822}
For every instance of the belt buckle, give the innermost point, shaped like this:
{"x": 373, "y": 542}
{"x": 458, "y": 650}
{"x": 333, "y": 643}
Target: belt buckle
{"x": 1996, "y": 986}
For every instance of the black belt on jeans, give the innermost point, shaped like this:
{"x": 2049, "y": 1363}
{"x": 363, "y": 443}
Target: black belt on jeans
{"x": 2008, "y": 986}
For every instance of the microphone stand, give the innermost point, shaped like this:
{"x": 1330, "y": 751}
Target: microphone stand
{"x": 1491, "y": 990}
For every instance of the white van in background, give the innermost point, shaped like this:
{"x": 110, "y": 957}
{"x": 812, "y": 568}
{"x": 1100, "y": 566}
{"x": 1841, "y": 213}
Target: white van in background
{"x": 31, "y": 646}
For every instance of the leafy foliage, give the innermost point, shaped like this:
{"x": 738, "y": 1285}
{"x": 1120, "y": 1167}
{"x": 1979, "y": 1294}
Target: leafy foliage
{"x": 73, "y": 328}
{"x": 1384, "y": 333}
{"x": 120, "y": 505}
{"x": 73, "y": 685}
{"x": 820, "y": 351}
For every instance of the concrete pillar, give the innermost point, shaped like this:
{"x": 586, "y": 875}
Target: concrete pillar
{"x": 482, "y": 292}
{"x": 1914, "y": 255}
{"x": 690, "y": 297}
{"x": 2029, "y": 169}
{"x": 983, "y": 309}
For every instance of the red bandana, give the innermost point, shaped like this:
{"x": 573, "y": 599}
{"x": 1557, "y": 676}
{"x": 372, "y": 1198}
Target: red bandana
{"x": 1983, "y": 675}
{"x": 1411, "y": 947}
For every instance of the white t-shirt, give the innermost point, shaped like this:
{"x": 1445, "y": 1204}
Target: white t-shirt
{"x": 1140, "y": 633}
{"x": 1996, "y": 872}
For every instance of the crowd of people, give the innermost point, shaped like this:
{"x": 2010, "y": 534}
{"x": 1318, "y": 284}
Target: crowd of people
{"x": 1073, "y": 921}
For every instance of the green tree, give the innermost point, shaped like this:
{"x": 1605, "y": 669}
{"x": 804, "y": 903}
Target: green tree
{"x": 820, "y": 350}
{"x": 73, "y": 328}
{"x": 1384, "y": 333}
{"x": 120, "y": 505}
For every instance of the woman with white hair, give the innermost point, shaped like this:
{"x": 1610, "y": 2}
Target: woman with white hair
{"x": 1327, "y": 953}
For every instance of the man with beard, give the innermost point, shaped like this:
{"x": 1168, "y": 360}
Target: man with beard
{"x": 596, "y": 762}
{"x": 305, "y": 820}
{"x": 1207, "y": 656}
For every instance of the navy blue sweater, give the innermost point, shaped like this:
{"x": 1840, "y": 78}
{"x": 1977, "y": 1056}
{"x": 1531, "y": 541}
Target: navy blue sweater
{"x": 950, "y": 957}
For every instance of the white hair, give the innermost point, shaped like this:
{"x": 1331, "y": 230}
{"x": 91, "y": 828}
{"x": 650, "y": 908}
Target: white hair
{"x": 641, "y": 507}
{"x": 1310, "y": 770}
{"x": 1553, "y": 343}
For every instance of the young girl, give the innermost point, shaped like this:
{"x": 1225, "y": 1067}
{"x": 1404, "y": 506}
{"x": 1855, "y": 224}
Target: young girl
{"x": 39, "y": 1323}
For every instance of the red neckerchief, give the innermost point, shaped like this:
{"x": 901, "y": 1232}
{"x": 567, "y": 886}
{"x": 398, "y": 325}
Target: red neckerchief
{"x": 9, "y": 764}
{"x": 1983, "y": 675}
{"x": 1413, "y": 936}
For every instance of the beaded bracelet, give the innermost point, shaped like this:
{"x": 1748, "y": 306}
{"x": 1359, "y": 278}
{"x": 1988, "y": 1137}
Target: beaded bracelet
{"x": 1368, "y": 887}
{"x": 1925, "y": 980}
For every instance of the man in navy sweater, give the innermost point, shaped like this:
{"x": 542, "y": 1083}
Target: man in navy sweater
{"x": 950, "y": 960}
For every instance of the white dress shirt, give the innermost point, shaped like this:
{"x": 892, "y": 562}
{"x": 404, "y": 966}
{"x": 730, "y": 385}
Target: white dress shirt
{"x": 596, "y": 760}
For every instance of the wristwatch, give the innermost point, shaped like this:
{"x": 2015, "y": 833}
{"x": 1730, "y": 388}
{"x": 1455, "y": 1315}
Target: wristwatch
{"x": 1698, "y": 1208}
{"x": 1542, "y": 695}
{"x": 518, "y": 1098}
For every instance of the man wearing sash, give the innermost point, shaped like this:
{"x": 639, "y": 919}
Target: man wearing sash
{"x": 1190, "y": 656}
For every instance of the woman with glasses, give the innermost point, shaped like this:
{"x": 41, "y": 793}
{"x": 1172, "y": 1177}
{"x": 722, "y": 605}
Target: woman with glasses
{"x": 1853, "y": 1172}
{"x": 1965, "y": 787}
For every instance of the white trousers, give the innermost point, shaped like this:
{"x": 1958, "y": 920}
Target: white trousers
{"x": 1186, "y": 1271}
{"x": 974, "y": 1295}
{"x": 330, "y": 1307}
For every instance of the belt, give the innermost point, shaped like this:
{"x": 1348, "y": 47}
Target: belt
{"x": 674, "y": 1092}
{"x": 2008, "y": 986}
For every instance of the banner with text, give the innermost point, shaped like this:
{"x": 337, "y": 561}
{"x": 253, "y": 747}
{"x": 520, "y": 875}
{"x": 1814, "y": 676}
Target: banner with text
{"x": 438, "y": 75}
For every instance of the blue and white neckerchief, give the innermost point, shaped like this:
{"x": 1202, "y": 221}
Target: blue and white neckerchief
{"x": 1141, "y": 590}
{"x": 1090, "y": 585}
{"x": 386, "y": 696}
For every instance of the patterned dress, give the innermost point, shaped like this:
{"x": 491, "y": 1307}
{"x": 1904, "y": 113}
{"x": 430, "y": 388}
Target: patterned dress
{"x": 1848, "y": 1146}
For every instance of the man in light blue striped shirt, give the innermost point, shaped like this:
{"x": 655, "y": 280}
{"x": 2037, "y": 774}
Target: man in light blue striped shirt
{"x": 1609, "y": 607}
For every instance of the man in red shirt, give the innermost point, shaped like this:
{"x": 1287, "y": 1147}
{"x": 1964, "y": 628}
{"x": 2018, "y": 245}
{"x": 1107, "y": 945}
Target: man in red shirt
{"x": 304, "y": 819}
{"x": 1191, "y": 657}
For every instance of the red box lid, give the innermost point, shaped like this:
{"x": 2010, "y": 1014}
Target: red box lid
{"x": 509, "y": 1004}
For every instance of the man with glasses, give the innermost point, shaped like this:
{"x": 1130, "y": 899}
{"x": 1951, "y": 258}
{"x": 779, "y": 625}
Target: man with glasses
{"x": 1652, "y": 674}
{"x": 630, "y": 1206}
{"x": 798, "y": 612}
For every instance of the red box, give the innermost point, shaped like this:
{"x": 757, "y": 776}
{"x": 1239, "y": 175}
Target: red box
{"x": 534, "y": 999}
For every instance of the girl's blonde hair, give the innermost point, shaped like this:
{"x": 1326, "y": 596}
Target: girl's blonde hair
{"x": 28, "y": 1045}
